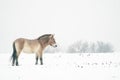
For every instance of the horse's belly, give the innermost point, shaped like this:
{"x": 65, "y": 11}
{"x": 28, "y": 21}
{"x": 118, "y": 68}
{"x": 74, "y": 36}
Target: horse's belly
{"x": 28, "y": 50}
{"x": 31, "y": 47}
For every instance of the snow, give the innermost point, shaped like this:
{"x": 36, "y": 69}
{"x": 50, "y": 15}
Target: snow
{"x": 62, "y": 66}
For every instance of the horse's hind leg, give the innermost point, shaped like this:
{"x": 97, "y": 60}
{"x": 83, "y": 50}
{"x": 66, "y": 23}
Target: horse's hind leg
{"x": 17, "y": 64}
{"x": 17, "y": 61}
{"x": 13, "y": 61}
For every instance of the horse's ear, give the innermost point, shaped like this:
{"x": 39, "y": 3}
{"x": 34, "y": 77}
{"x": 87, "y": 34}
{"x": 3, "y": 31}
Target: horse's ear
{"x": 51, "y": 36}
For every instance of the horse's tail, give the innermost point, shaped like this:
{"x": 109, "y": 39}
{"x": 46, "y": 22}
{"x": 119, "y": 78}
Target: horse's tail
{"x": 14, "y": 55}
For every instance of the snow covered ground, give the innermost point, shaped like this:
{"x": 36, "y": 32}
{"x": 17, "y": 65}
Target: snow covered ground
{"x": 62, "y": 66}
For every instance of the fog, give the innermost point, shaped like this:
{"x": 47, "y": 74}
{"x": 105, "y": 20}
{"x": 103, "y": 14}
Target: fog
{"x": 69, "y": 20}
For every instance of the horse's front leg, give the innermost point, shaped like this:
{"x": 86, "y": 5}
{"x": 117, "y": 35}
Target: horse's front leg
{"x": 36, "y": 60}
{"x": 41, "y": 60}
{"x": 39, "y": 56}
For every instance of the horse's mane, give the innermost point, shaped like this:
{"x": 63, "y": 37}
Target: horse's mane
{"x": 43, "y": 36}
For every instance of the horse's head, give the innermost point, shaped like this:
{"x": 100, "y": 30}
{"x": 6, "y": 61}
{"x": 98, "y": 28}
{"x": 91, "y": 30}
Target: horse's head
{"x": 52, "y": 41}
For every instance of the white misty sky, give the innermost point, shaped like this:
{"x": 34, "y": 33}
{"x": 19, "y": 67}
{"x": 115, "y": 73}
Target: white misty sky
{"x": 69, "y": 20}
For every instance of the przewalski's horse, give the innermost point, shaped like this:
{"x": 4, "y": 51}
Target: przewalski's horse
{"x": 32, "y": 46}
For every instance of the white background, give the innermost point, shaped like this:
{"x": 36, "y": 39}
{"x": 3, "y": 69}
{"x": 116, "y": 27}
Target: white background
{"x": 69, "y": 20}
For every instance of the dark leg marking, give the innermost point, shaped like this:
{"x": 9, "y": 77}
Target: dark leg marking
{"x": 17, "y": 61}
{"x": 13, "y": 61}
{"x": 36, "y": 60}
{"x": 41, "y": 60}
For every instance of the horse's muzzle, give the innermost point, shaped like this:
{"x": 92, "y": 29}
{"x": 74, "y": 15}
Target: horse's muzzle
{"x": 54, "y": 45}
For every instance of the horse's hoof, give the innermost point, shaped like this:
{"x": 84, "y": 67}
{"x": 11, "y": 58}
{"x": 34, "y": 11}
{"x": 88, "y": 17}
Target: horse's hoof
{"x": 17, "y": 64}
{"x": 36, "y": 63}
{"x": 41, "y": 63}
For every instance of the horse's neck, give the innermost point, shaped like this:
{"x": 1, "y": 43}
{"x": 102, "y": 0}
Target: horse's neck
{"x": 43, "y": 45}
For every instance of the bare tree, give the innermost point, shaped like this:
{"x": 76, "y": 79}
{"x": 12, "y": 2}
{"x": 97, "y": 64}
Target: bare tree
{"x": 104, "y": 47}
{"x": 94, "y": 47}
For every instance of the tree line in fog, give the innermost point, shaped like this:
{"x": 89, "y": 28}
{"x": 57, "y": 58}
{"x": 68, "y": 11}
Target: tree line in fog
{"x": 84, "y": 47}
